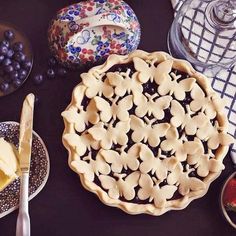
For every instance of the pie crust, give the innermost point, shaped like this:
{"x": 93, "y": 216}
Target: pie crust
{"x": 149, "y": 137}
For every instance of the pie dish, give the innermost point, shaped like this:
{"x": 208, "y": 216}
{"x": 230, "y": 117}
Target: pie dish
{"x": 145, "y": 132}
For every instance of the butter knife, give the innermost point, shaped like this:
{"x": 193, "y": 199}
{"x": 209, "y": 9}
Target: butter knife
{"x": 25, "y": 143}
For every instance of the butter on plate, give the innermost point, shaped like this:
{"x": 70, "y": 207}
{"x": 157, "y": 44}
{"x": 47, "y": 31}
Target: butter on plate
{"x": 9, "y": 165}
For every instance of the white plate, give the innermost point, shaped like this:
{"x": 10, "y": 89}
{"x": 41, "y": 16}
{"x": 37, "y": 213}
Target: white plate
{"x": 39, "y": 168}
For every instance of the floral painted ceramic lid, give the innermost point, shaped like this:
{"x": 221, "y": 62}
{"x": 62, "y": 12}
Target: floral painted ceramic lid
{"x": 146, "y": 132}
{"x": 91, "y": 30}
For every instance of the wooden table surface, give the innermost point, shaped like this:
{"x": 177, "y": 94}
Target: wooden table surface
{"x": 64, "y": 207}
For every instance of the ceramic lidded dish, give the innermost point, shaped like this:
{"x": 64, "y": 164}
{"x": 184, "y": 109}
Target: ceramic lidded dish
{"x": 91, "y": 30}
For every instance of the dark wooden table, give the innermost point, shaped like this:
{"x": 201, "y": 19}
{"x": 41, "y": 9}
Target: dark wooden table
{"x": 64, "y": 208}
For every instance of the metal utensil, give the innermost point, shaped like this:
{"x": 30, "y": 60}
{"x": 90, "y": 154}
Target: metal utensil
{"x": 25, "y": 142}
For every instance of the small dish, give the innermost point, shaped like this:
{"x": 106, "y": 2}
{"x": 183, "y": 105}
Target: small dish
{"x": 19, "y": 37}
{"x": 39, "y": 168}
{"x": 224, "y": 211}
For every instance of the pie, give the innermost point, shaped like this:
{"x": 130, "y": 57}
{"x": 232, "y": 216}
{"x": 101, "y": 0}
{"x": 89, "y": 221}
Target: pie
{"x": 146, "y": 132}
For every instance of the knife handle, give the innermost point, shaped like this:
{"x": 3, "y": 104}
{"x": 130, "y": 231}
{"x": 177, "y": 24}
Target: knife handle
{"x": 23, "y": 220}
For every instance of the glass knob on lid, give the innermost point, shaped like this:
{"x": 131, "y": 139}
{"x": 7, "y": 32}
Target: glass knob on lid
{"x": 225, "y": 11}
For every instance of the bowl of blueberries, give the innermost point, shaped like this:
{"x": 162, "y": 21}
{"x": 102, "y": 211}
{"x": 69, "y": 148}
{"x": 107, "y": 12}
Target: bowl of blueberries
{"x": 16, "y": 58}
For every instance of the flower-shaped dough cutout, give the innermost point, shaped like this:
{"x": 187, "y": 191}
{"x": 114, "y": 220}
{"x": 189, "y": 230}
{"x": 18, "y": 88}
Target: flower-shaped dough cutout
{"x": 81, "y": 118}
{"x": 184, "y": 182}
{"x": 123, "y": 83}
{"x": 107, "y": 137}
{"x": 152, "y": 191}
{"x": 147, "y": 132}
{"x": 115, "y": 109}
{"x": 123, "y": 159}
{"x": 80, "y": 143}
{"x": 95, "y": 85}
{"x": 205, "y": 163}
{"x": 202, "y": 102}
{"x": 214, "y": 136}
{"x": 98, "y": 166}
{"x": 121, "y": 187}
{"x": 177, "y": 146}
{"x": 170, "y": 85}
{"x": 155, "y": 164}
{"x": 147, "y": 105}
{"x": 184, "y": 119}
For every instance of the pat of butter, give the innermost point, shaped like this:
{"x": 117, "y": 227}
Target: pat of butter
{"x": 8, "y": 163}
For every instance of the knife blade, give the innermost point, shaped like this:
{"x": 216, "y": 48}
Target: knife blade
{"x": 26, "y": 127}
{"x": 25, "y": 144}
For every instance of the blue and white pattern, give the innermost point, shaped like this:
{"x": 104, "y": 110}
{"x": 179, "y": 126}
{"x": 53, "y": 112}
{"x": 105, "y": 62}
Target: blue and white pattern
{"x": 225, "y": 84}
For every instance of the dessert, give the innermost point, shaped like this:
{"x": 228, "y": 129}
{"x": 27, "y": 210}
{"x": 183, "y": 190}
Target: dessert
{"x": 145, "y": 132}
{"x": 8, "y": 163}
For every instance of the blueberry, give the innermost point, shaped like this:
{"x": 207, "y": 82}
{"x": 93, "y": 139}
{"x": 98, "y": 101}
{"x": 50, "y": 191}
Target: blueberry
{"x": 8, "y": 68}
{"x": 3, "y": 50}
{"x": 6, "y": 62}
{"x": 18, "y": 46}
{"x": 10, "y": 53}
{"x": 50, "y": 73}
{"x": 5, "y": 43}
{"x": 17, "y": 83}
{"x": 16, "y": 65}
{"x": 38, "y": 79}
{"x": 27, "y": 64}
{"x": 62, "y": 72}
{"x": 20, "y": 57}
{"x": 22, "y": 74}
{"x": 4, "y": 87}
{"x": 52, "y": 61}
{"x": 14, "y": 75}
{"x": 9, "y": 35}
{"x": 1, "y": 58}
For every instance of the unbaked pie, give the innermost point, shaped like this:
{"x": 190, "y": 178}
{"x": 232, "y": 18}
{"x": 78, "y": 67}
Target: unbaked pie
{"x": 145, "y": 132}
